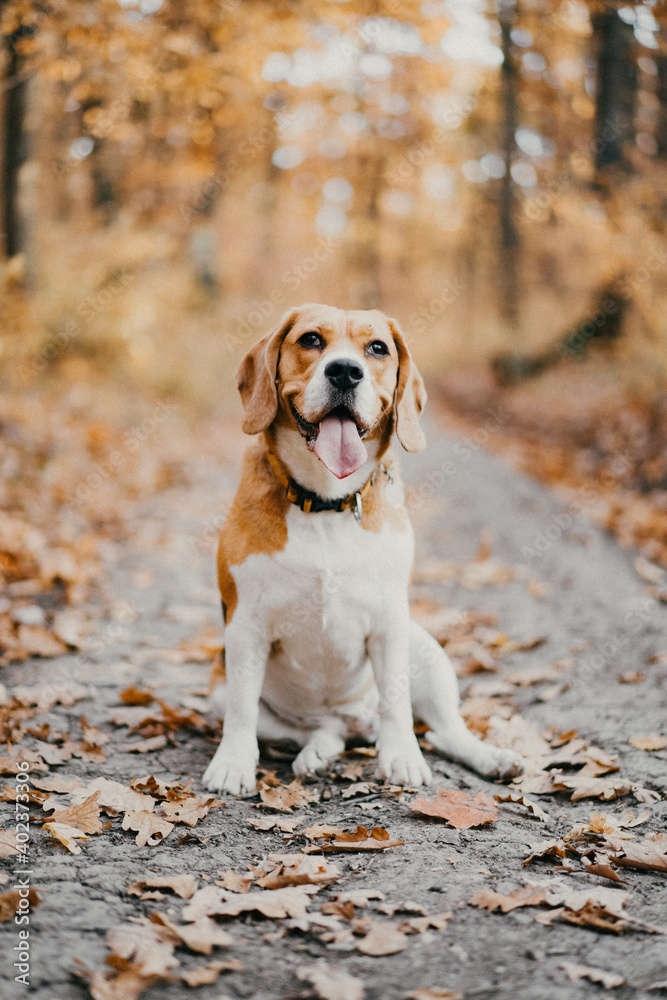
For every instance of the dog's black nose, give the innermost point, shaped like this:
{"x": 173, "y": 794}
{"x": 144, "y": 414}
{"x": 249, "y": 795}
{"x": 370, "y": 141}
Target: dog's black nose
{"x": 344, "y": 374}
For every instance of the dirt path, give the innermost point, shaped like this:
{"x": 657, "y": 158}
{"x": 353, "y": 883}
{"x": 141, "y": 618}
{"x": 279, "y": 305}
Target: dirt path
{"x": 579, "y": 590}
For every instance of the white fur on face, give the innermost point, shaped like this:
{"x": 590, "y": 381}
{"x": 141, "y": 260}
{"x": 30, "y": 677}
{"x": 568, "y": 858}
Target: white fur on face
{"x": 319, "y": 394}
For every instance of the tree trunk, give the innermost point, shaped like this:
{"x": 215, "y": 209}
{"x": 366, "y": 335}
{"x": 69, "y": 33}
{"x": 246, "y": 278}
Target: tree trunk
{"x": 509, "y": 236}
{"x": 14, "y": 152}
{"x": 616, "y": 87}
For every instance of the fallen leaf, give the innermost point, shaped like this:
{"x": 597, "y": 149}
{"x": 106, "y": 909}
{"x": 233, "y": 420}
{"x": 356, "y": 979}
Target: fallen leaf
{"x": 353, "y": 772}
{"x": 146, "y": 945}
{"x": 8, "y": 846}
{"x": 585, "y": 787}
{"x": 292, "y": 901}
{"x": 382, "y": 939}
{"x": 84, "y": 816}
{"x": 67, "y": 835}
{"x": 546, "y": 848}
{"x": 133, "y": 695}
{"x": 648, "y": 742}
{"x": 330, "y": 982}
{"x": 183, "y": 885}
{"x": 489, "y": 899}
{"x": 405, "y": 907}
{"x": 297, "y": 869}
{"x": 203, "y": 935}
{"x": 9, "y": 903}
{"x": 646, "y": 855}
{"x": 151, "y": 829}
{"x": 114, "y": 797}
{"x": 281, "y": 823}
{"x": 202, "y": 974}
{"x": 418, "y": 925}
{"x": 358, "y": 788}
{"x": 45, "y": 696}
{"x": 361, "y": 840}
{"x": 534, "y": 807}
{"x": 576, "y": 972}
{"x": 284, "y": 798}
{"x": 632, "y": 677}
{"x": 189, "y": 811}
{"x": 20, "y": 755}
{"x": 146, "y": 746}
{"x": 358, "y": 897}
{"x": 235, "y": 883}
{"x": 460, "y": 809}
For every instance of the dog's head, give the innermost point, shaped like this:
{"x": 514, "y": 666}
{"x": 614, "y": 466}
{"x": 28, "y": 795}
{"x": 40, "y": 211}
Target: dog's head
{"x": 340, "y": 378}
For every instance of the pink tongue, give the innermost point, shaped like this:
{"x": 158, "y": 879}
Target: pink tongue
{"x": 339, "y": 446}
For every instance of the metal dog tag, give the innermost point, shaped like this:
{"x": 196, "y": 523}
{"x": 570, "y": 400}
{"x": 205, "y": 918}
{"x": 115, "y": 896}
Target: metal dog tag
{"x": 357, "y": 510}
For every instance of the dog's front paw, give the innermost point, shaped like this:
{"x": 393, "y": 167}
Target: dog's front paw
{"x": 403, "y": 765}
{"x": 231, "y": 771}
{"x": 499, "y": 763}
{"x": 309, "y": 762}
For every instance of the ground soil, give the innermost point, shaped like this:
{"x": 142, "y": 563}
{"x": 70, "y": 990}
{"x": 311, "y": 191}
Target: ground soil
{"x": 592, "y": 606}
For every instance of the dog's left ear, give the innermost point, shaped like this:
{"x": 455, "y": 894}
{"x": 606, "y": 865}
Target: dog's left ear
{"x": 256, "y": 377}
{"x": 410, "y": 395}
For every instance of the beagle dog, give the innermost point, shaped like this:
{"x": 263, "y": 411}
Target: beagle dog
{"x": 315, "y": 560}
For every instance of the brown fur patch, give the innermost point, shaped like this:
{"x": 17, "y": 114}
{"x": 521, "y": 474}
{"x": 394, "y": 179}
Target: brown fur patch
{"x": 255, "y": 523}
{"x": 377, "y": 512}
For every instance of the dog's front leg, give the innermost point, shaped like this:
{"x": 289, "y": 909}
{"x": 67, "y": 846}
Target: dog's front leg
{"x": 233, "y": 766}
{"x": 400, "y": 760}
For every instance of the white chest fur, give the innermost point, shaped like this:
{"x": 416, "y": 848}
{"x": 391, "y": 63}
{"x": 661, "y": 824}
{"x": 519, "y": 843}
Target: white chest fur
{"x": 318, "y": 602}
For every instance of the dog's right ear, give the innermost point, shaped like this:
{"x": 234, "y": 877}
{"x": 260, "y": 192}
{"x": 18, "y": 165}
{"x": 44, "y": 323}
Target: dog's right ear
{"x": 256, "y": 377}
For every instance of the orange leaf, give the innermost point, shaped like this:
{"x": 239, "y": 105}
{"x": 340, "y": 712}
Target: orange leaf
{"x": 459, "y": 809}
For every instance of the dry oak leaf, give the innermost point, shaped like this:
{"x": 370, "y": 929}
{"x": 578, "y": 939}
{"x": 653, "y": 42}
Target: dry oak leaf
{"x": 296, "y": 869}
{"x": 646, "y": 855}
{"x": 546, "y": 849}
{"x": 282, "y": 823}
{"x": 576, "y": 972}
{"x": 151, "y": 829}
{"x": 585, "y": 787}
{"x": 148, "y": 946}
{"x": 292, "y": 901}
{"x": 382, "y": 939}
{"x": 202, "y": 936}
{"x": 358, "y": 897}
{"x": 652, "y": 742}
{"x": 331, "y": 982}
{"x": 234, "y": 882}
{"x": 418, "y": 925}
{"x": 57, "y": 783}
{"x": 84, "y": 816}
{"x": 123, "y": 983}
{"x": 488, "y": 899}
{"x": 45, "y": 696}
{"x": 183, "y": 885}
{"x": 202, "y": 974}
{"x": 8, "y": 846}
{"x": 189, "y": 811}
{"x": 9, "y": 903}
{"x": 517, "y": 797}
{"x": 146, "y": 746}
{"x": 134, "y": 695}
{"x": 284, "y": 798}
{"x": 460, "y": 809}
{"x": 114, "y": 797}
{"x": 67, "y": 835}
{"x": 358, "y": 788}
{"x": 362, "y": 839}
{"x": 20, "y": 755}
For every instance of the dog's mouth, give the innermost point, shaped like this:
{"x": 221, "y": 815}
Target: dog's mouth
{"x": 336, "y": 439}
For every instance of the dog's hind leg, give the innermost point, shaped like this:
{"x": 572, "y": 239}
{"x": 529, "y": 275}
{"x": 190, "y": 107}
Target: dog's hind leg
{"x": 435, "y": 699}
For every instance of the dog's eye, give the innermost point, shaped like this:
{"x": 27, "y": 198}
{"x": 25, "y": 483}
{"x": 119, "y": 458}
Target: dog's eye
{"x": 378, "y": 348}
{"x": 311, "y": 339}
